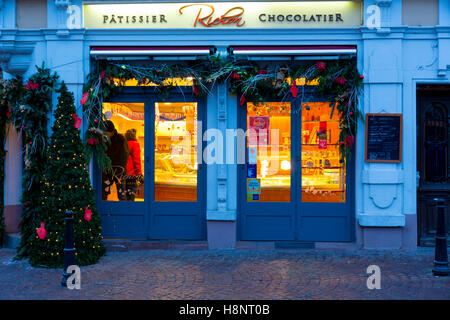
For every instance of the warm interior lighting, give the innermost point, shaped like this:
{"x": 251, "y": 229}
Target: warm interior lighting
{"x": 176, "y": 151}
{"x": 126, "y": 116}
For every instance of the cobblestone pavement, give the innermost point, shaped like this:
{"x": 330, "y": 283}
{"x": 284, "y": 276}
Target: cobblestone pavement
{"x": 239, "y": 274}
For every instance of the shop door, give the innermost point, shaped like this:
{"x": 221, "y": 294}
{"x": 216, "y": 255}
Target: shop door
{"x": 433, "y": 163}
{"x": 159, "y": 192}
{"x": 293, "y": 186}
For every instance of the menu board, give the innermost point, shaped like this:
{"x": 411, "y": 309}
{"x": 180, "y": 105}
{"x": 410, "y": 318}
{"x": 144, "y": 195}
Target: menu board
{"x": 383, "y": 137}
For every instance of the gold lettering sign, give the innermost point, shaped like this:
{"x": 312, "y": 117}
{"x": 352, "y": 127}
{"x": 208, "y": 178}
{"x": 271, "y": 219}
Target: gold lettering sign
{"x": 305, "y": 14}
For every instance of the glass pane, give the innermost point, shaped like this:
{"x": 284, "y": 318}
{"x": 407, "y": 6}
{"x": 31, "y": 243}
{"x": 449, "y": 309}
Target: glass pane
{"x": 323, "y": 176}
{"x": 269, "y": 150}
{"x": 125, "y": 128}
{"x": 176, "y": 151}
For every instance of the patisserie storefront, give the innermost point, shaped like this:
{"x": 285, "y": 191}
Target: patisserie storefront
{"x": 234, "y": 117}
{"x": 284, "y": 181}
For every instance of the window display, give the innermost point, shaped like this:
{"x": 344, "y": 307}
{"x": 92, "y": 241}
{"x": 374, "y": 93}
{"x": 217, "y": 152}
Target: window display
{"x": 125, "y": 128}
{"x": 323, "y": 175}
{"x": 175, "y": 151}
{"x": 269, "y": 144}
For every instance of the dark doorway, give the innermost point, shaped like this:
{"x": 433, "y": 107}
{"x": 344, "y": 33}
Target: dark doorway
{"x": 433, "y": 166}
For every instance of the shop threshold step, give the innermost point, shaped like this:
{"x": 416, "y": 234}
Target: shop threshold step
{"x": 294, "y": 245}
{"x": 131, "y": 245}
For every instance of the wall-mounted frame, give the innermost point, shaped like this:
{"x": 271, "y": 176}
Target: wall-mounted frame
{"x": 384, "y": 137}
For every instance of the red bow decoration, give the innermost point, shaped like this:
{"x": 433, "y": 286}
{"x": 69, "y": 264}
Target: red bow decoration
{"x": 42, "y": 233}
{"x": 339, "y": 80}
{"x": 349, "y": 140}
{"x": 320, "y": 66}
{"x": 8, "y": 113}
{"x": 87, "y": 214}
{"x": 77, "y": 123}
{"x": 92, "y": 142}
{"x": 294, "y": 90}
{"x": 242, "y": 101}
{"x": 84, "y": 98}
{"x": 195, "y": 90}
{"x": 235, "y": 76}
{"x": 32, "y": 85}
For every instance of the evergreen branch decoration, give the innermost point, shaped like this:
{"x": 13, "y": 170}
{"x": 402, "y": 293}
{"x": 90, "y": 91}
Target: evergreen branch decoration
{"x": 338, "y": 81}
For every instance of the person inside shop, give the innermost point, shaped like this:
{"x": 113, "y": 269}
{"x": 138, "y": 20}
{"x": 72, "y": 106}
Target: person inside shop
{"x": 134, "y": 172}
{"x": 118, "y": 152}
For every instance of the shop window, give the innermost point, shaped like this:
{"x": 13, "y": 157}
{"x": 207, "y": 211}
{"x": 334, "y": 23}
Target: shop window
{"x": 176, "y": 151}
{"x": 31, "y": 14}
{"x": 269, "y": 149}
{"x": 126, "y": 131}
{"x": 323, "y": 175}
{"x": 420, "y": 13}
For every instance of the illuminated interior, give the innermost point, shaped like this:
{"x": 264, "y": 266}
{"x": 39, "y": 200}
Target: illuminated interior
{"x": 126, "y": 116}
{"x": 175, "y": 151}
{"x": 323, "y": 176}
{"x": 273, "y": 165}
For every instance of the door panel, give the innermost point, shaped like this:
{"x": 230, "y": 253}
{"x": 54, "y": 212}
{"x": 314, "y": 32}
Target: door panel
{"x": 122, "y": 198}
{"x": 268, "y": 149}
{"x": 318, "y": 199}
{"x": 168, "y": 202}
{"x": 433, "y": 165}
{"x": 178, "y": 190}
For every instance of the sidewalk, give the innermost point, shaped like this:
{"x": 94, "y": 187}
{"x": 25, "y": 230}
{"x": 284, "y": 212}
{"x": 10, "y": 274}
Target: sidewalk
{"x": 239, "y": 274}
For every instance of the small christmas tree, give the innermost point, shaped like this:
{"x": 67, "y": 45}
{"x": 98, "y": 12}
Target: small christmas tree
{"x": 66, "y": 187}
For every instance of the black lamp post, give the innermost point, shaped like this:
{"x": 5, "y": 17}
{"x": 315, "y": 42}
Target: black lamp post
{"x": 441, "y": 258}
{"x": 69, "y": 250}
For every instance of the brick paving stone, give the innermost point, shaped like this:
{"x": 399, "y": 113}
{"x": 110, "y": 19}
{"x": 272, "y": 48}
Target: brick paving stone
{"x": 239, "y": 274}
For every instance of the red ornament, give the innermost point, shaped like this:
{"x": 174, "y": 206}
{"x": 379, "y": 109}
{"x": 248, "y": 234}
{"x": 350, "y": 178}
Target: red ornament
{"x": 294, "y": 90}
{"x": 340, "y": 81}
{"x": 87, "y": 214}
{"x": 92, "y": 142}
{"x": 32, "y": 85}
{"x": 96, "y": 121}
{"x": 8, "y": 113}
{"x": 361, "y": 77}
{"x": 84, "y": 98}
{"x": 263, "y": 71}
{"x": 320, "y": 66}
{"x": 351, "y": 113}
{"x": 242, "y": 101}
{"x": 77, "y": 123}
{"x": 235, "y": 76}
{"x": 42, "y": 233}
{"x": 349, "y": 140}
{"x": 195, "y": 90}
{"x": 102, "y": 76}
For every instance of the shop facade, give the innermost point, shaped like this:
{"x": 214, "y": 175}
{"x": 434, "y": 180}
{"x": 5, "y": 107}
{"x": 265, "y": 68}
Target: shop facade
{"x": 220, "y": 193}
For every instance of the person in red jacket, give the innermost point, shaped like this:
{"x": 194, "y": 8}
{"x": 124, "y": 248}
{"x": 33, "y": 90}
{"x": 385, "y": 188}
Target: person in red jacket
{"x": 133, "y": 165}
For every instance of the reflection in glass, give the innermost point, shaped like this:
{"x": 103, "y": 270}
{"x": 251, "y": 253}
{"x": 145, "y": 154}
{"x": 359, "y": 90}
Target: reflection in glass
{"x": 323, "y": 176}
{"x": 125, "y": 128}
{"x": 176, "y": 151}
{"x": 269, "y": 134}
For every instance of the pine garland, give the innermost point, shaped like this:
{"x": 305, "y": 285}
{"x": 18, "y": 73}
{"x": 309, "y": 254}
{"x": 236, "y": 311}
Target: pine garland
{"x": 30, "y": 118}
{"x": 338, "y": 81}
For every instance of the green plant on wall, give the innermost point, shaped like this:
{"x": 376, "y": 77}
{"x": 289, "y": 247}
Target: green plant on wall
{"x": 30, "y": 115}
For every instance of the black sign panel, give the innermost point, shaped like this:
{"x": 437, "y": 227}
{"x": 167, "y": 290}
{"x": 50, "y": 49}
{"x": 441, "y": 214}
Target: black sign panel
{"x": 383, "y": 137}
